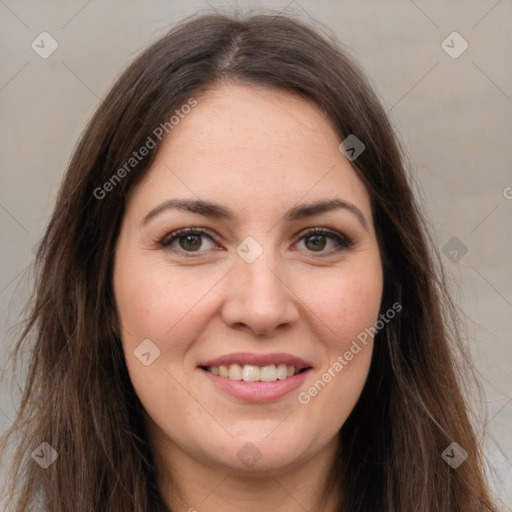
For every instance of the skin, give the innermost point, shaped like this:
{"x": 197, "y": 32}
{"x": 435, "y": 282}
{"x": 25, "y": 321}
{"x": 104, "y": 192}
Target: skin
{"x": 258, "y": 151}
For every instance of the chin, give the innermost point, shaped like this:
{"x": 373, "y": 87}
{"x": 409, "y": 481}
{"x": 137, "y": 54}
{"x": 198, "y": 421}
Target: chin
{"x": 255, "y": 454}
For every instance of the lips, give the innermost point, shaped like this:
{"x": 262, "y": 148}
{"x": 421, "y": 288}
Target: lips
{"x": 256, "y": 377}
{"x": 245, "y": 358}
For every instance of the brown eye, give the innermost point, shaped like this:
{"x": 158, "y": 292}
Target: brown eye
{"x": 316, "y": 240}
{"x": 188, "y": 240}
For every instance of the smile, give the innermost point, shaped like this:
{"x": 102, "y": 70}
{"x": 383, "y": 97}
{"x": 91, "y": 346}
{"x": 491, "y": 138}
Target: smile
{"x": 253, "y": 373}
{"x": 256, "y": 378}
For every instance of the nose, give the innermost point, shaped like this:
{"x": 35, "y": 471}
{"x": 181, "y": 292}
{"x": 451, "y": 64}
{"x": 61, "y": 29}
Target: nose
{"x": 258, "y": 297}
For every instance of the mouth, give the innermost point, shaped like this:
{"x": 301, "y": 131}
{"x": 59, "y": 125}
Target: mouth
{"x": 253, "y": 373}
{"x": 255, "y": 377}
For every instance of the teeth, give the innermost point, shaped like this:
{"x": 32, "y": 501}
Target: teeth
{"x": 252, "y": 373}
{"x": 235, "y": 372}
{"x": 269, "y": 373}
{"x": 282, "y": 371}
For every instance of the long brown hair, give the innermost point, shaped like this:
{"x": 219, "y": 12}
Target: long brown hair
{"x": 78, "y": 397}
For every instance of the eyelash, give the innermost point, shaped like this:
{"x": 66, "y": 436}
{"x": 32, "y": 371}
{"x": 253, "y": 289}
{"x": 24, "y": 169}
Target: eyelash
{"x": 343, "y": 242}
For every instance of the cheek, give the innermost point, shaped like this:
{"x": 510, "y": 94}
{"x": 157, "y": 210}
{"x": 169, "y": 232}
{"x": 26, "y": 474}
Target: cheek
{"x": 155, "y": 300}
{"x": 347, "y": 307}
{"x": 172, "y": 307}
{"x": 159, "y": 303}
{"x": 347, "y": 303}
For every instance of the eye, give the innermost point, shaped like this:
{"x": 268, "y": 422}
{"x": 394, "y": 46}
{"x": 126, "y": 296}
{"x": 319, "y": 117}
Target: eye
{"x": 192, "y": 240}
{"x": 188, "y": 240}
{"x": 317, "y": 239}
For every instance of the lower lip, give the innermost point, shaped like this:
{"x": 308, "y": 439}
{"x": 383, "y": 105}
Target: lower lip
{"x": 257, "y": 392}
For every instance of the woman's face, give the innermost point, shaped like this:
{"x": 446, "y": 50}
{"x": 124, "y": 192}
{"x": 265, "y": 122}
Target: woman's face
{"x": 256, "y": 294}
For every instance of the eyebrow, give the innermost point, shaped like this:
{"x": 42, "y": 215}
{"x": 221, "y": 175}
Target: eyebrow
{"x": 217, "y": 211}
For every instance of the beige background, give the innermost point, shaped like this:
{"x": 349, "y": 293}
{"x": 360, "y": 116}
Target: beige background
{"x": 454, "y": 116}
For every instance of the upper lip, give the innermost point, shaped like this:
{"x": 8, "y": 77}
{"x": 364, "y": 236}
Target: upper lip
{"x": 243, "y": 358}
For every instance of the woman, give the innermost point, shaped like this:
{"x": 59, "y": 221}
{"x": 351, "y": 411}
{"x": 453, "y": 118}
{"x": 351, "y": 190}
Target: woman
{"x": 238, "y": 306}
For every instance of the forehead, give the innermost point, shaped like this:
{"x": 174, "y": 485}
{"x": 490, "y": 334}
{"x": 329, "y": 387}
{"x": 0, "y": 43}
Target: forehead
{"x": 250, "y": 118}
{"x": 252, "y": 146}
